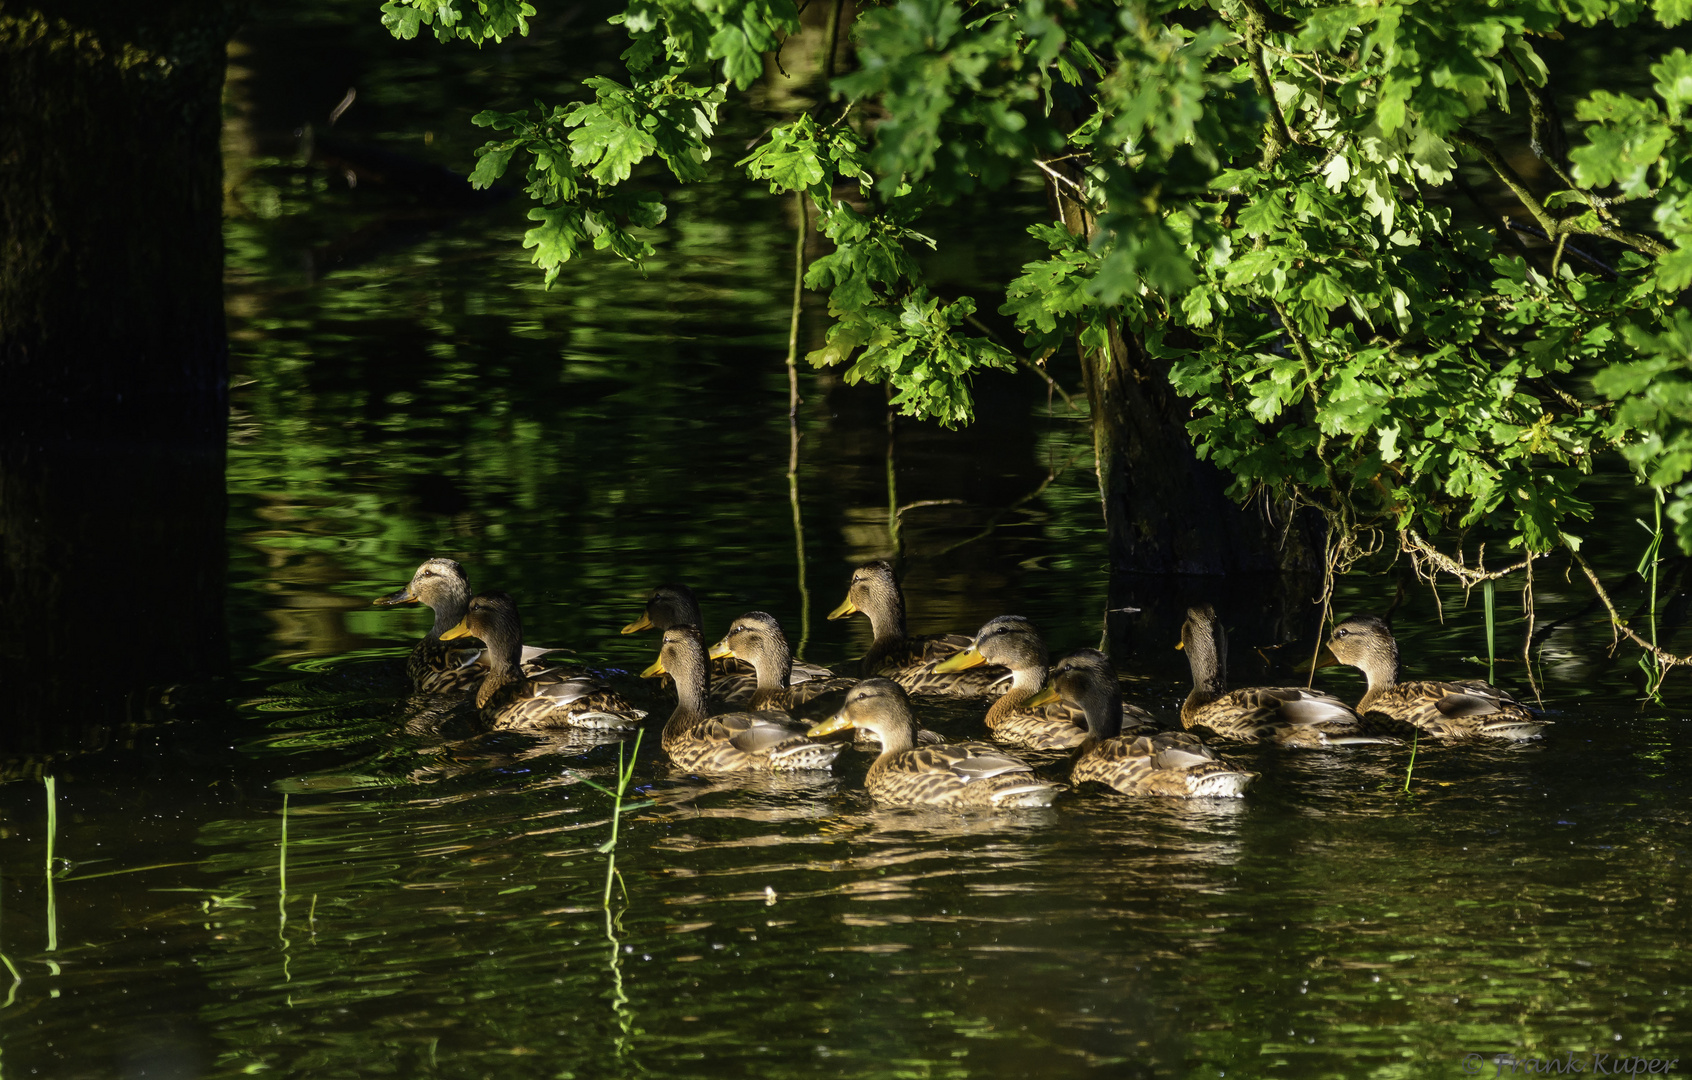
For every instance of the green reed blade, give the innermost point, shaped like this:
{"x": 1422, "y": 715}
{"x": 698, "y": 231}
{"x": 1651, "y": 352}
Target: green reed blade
{"x": 51, "y": 783}
{"x": 1491, "y": 652}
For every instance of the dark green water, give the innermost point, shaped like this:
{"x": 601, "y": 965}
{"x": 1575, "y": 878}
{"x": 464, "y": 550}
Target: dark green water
{"x": 299, "y": 872}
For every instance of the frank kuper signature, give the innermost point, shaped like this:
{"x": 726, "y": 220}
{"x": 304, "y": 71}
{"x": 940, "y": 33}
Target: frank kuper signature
{"x": 1593, "y": 1064}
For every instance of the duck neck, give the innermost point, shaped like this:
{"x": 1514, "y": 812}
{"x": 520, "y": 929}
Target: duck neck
{"x": 450, "y": 606}
{"x": 1208, "y": 659}
{"x": 1103, "y": 706}
{"x": 1381, "y": 670}
{"x": 693, "y": 685}
{"x": 1025, "y": 683}
{"x": 887, "y": 625}
{"x": 895, "y": 739}
{"x": 776, "y": 698}
{"x": 774, "y": 666}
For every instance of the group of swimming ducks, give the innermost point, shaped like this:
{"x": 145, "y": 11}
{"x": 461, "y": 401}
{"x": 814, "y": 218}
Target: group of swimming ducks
{"x": 1072, "y": 706}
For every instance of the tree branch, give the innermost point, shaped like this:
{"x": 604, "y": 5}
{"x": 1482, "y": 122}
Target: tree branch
{"x": 1663, "y": 657}
{"x": 1554, "y": 226}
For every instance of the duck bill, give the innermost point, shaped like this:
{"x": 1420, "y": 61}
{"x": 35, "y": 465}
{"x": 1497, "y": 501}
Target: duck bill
{"x": 1325, "y": 659}
{"x": 642, "y": 623}
{"x": 846, "y": 608}
{"x": 1046, "y": 696}
{"x": 404, "y": 596}
{"x": 720, "y": 650}
{"x": 837, "y": 722}
{"x": 461, "y": 630}
{"x": 656, "y": 669}
{"x": 961, "y": 661}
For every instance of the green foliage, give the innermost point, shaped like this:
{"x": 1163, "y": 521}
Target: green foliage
{"x": 1264, "y": 196}
{"x": 475, "y": 22}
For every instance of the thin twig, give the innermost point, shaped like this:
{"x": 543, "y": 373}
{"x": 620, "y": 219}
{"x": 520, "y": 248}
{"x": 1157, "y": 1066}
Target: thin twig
{"x": 1051, "y": 383}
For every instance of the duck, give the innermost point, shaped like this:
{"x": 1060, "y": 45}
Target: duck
{"x": 1166, "y": 763}
{"x": 951, "y": 776}
{"x": 909, "y": 661}
{"x": 756, "y": 638}
{"x": 1467, "y": 709}
{"x": 732, "y": 678}
{"x": 433, "y": 666}
{"x": 1011, "y": 641}
{"x": 1294, "y": 716}
{"x": 510, "y": 700}
{"x": 733, "y": 742}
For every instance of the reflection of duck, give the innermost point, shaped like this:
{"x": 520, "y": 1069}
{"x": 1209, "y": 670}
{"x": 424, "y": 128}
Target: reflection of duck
{"x": 1289, "y": 715}
{"x": 734, "y": 742}
{"x": 1165, "y": 763}
{"x": 908, "y": 661}
{"x": 1012, "y": 642}
{"x": 731, "y": 679}
{"x": 1454, "y": 710}
{"x": 548, "y": 700}
{"x": 435, "y": 667}
{"x": 953, "y": 776}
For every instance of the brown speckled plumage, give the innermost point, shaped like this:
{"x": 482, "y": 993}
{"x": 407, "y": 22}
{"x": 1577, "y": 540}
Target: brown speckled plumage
{"x": 734, "y": 742}
{"x": 732, "y": 680}
{"x": 1289, "y": 715}
{"x": 952, "y": 776}
{"x": 510, "y": 700}
{"x": 435, "y": 667}
{"x": 1466, "y": 709}
{"x": 1166, "y": 763}
{"x": 909, "y": 661}
{"x": 1012, "y": 642}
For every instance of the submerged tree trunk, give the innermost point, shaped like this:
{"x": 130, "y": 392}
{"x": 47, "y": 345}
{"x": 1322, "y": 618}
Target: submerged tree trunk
{"x": 113, "y": 360}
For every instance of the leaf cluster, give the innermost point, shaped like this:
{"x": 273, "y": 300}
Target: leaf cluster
{"x": 1274, "y": 199}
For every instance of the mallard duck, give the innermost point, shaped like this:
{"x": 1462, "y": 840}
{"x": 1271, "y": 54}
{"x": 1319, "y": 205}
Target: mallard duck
{"x": 435, "y": 667}
{"x": 909, "y": 661}
{"x": 1452, "y": 710}
{"x": 756, "y": 638}
{"x": 1173, "y": 763}
{"x": 735, "y": 742}
{"x": 952, "y": 776}
{"x": 1289, "y": 715}
{"x": 1011, "y": 641}
{"x": 732, "y": 679}
{"x": 509, "y": 700}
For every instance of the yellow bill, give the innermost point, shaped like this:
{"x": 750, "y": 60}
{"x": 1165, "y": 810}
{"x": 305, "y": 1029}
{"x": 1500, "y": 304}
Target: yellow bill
{"x": 837, "y": 722}
{"x": 1324, "y": 659}
{"x": 1046, "y": 696}
{"x": 461, "y": 630}
{"x": 404, "y": 596}
{"x": 655, "y": 670}
{"x": 642, "y": 623}
{"x": 961, "y": 661}
{"x": 720, "y": 650}
{"x": 846, "y": 608}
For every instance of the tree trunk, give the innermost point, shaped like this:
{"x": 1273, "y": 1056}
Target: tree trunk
{"x": 113, "y": 359}
{"x": 1165, "y": 511}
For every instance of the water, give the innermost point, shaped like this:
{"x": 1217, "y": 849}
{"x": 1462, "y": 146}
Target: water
{"x": 300, "y": 871}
